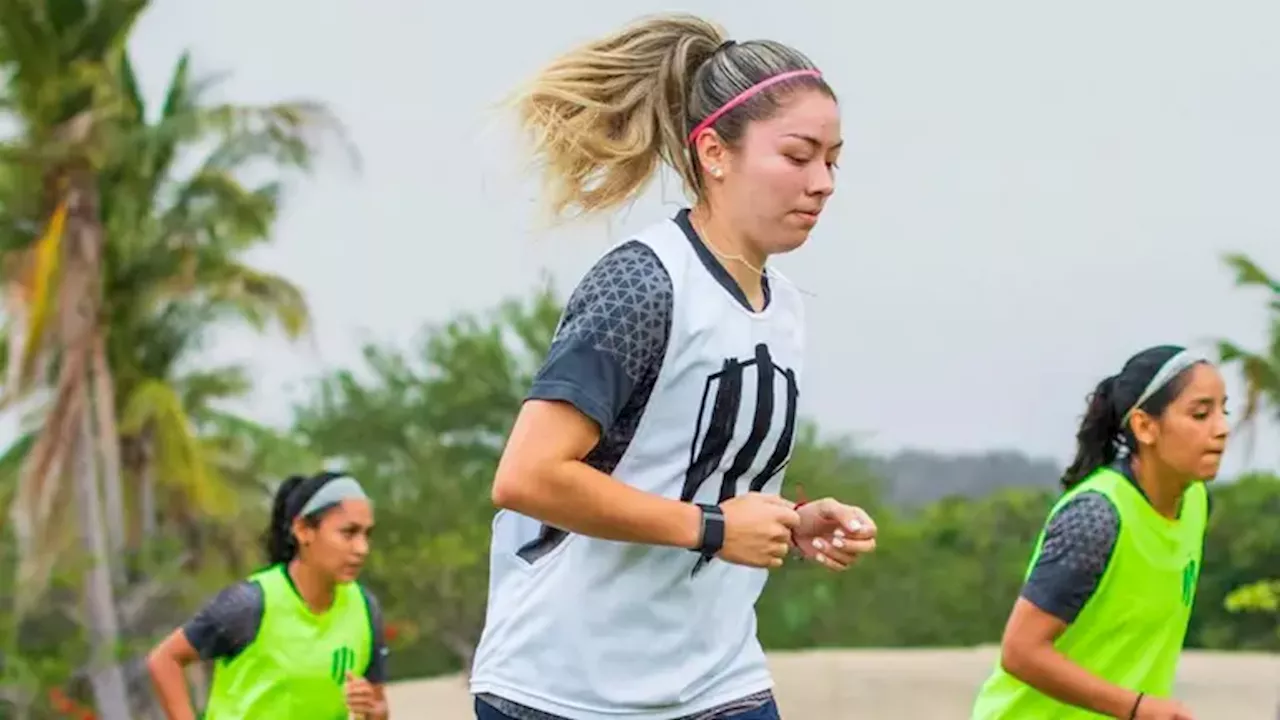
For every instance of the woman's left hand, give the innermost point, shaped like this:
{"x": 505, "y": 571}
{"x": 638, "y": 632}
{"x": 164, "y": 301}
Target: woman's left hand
{"x": 834, "y": 534}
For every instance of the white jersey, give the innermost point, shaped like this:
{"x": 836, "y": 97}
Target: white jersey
{"x": 583, "y": 628}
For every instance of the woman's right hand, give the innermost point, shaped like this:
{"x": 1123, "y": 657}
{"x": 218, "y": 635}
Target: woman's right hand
{"x": 1153, "y": 708}
{"x": 757, "y": 530}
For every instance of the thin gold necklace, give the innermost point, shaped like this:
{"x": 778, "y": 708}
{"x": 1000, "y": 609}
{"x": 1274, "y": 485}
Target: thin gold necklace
{"x": 763, "y": 273}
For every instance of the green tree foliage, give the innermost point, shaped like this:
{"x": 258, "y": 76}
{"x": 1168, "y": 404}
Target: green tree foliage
{"x": 1260, "y": 368}
{"x": 123, "y": 232}
{"x": 424, "y": 428}
{"x": 1261, "y": 372}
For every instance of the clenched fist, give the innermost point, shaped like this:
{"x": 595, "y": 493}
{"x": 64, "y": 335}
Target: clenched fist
{"x": 757, "y": 530}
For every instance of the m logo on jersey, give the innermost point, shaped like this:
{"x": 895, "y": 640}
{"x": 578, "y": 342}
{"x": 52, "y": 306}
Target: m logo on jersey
{"x": 717, "y": 426}
{"x": 344, "y": 661}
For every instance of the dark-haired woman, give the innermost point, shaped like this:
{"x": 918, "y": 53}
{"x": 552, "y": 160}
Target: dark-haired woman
{"x": 300, "y": 639}
{"x": 1102, "y": 616}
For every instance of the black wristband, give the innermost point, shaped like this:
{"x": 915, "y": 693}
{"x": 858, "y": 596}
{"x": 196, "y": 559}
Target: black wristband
{"x": 1134, "y": 712}
{"x": 712, "y": 538}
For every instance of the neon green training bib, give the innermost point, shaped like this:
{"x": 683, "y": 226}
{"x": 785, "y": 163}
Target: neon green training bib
{"x": 1130, "y": 632}
{"x": 296, "y": 665}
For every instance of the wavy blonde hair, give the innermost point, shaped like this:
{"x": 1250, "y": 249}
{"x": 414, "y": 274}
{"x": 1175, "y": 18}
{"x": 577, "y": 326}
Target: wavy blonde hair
{"x": 603, "y": 116}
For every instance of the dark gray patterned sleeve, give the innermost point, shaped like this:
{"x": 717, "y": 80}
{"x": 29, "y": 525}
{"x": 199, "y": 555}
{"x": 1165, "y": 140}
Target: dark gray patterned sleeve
{"x": 228, "y": 623}
{"x": 612, "y": 337}
{"x": 1077, "y": 547}
{"x": 377, "y": 670}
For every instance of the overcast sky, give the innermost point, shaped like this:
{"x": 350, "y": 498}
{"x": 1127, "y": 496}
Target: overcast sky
{"x": 1031, "y": 192}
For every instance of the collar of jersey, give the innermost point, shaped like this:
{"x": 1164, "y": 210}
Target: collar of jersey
{"x": 1124, "y": 467}
{"x": 300, "y": 604}
{"x": 720, "y": 274}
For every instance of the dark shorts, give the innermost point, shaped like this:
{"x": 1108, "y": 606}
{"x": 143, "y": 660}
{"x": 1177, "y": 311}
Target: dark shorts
{"x": 768, "y": 711}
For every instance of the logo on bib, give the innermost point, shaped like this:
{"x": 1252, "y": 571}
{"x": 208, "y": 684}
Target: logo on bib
{"x": 764, "y": 430}
{"x": 1189, "y": 575}
{"x": 344, "y": 661}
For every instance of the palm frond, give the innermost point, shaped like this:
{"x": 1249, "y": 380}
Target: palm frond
{"x": 289, "y": 134}
{"x": 180, "y": 460}
{"x": 11, "y": 465}
{"x": 40, "y": 285}
{"x": 213, "y": 207}
{"x": 109, "y": 27}
{"x": 30, "y": 50}
{"x": 1261, "y": 376}
{"x": 180, "y": 94}
{"x": 258, "y": 297}
{"x": 131, "y": 92}
{"x": 200, "y": 389}
{"x": 1248, "y": 274}
{"x": 284, "y": 135}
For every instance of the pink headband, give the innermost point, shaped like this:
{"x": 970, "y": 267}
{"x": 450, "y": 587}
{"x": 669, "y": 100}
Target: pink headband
{"x": 746, "y": 95}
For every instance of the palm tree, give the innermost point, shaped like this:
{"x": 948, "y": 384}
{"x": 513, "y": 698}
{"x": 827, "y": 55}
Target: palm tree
{"x": 59, "y": 59}
{"x": 175, "y": 275}
{"x": 177, "y": 272}
{"x": 1261, "y": 369}
{"x": 85, "y": 169}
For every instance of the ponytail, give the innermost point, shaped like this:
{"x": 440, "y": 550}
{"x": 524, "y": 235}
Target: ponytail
{"x": 1149, "y": 382}
{"x": 279, "y": 542}
{"x": 309, "y": 498}
{"x": 604, "y": 117}
{"x": 1097, "y": 440}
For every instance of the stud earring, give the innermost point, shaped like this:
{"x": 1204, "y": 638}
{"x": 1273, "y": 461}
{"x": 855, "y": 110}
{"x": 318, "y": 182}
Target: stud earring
{"x": 716, "y": 172}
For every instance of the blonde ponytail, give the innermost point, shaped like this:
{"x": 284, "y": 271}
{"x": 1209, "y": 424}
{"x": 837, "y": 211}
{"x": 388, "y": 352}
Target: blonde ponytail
{"x": 604, "y": 115}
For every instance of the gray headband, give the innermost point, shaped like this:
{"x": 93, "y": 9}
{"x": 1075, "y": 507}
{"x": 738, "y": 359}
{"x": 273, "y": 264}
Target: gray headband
{"x": 1172, "y": 368}
{"x": 332, "y": 493}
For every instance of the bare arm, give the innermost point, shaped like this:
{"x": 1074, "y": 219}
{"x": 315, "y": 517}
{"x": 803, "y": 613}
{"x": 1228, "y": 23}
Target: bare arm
{"x": 583, "y": 407}
{"x": 542, "y": 475}
{"x": 221, "y": 629}
{"x": 1027, "y": 653}
{"x": 167, "y": 666}
{"x": 1077, "y": 548}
